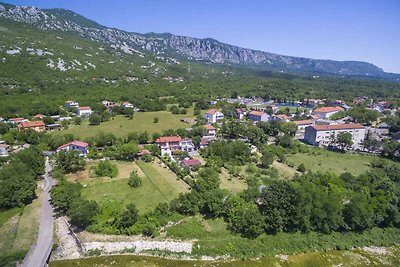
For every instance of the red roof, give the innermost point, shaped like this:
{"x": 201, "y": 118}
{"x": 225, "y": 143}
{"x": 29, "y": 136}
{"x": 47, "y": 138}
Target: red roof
{"x": 328, "y": 109}
{"x": 16, "y": 119}
{"x": 338, "y": 127}
{"x": 209, "y": 127}
{"x": 303, "y": 122}
{"x": 282, "y": 117}
{"x": 85, "y": 108}
{"x": 168, "y": 139}
{"x": 212, "y": 111}
{"x": 74, "y": 143}
{"x": 257, "y": 113}
{"x": 190, "y": 162}
{"x": 31, "y": 124}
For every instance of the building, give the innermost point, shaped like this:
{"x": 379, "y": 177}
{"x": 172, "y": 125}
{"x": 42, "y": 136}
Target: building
{"x": 168, "y": 144}
{"x": 205, "y": 141}
{"x": 213, "y": 115}
{"x": 38, "y": 117}
{"x": 258, "y": 116}
{"x": 127, "y": 105}
{"x": 54, "y": 126}
{"x": 281, "y": 117}
{"x": 81, "y": 147}
{"x": 83, "y": 111}
{"x": 240, "y": 113}
{"x": 210, "y": 131}
{"x": 187, "y": 145}
{"x": 17, "y": 121}
{"x": 71, "y": 104}
{"x": 3, "y": 149}
{"x": 301, "y": 125}
{"x": 190, "y": 163}
{"x": 37, "y": 126}
{"x": 326, "y": 112}
{"x": 323, "y": 135}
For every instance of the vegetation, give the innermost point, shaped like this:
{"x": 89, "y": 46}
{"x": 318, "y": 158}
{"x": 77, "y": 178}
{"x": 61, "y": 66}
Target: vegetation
{"x": 105, "y": 168}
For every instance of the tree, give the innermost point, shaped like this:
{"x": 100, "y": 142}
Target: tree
{"x": 64, "y": 194}
{"x": 82, "y": 212}
{"x": 105, "y": 168}
{"x": 126, "y": 151}
{"x": 155, "y": 120}
{"x": 134, "y": 180}
{"x": 94, "y": 119}
{"x": 69, "y": 161}
{"x": 267, "y": 159}
{"x": 245, "y": 218}
{"x": 344, "y": 139}
{"x": 129, "y": 217}
{"x": 78, "y": 120}
{"x": 358, "y": 213}
{"x": 33, "y": 159}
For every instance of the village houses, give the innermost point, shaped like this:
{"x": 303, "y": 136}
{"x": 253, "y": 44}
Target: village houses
{"x": 258, "y": 116}
{"x": 37, "y": 126}
{"x": 326, "y": 112}
{"x": 83, "y": 111}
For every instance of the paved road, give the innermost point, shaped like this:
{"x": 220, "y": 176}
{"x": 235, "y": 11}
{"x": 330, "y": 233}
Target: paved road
{"x": 38, "y": 255}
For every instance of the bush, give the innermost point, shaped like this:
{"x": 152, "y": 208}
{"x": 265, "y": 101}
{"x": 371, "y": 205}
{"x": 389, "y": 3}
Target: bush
{"x": 155, "y": 120}
{"x": 105, "y": 168}
{"x": 301, "y": 168}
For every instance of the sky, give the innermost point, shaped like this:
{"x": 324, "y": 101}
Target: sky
{"x": 363, "y": 30}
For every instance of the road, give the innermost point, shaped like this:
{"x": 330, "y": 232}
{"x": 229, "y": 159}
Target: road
{"x": 39, "y": 254}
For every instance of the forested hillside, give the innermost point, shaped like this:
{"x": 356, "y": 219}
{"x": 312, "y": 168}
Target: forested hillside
{"x": 40, "y": 69}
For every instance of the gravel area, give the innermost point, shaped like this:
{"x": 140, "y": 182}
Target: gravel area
{"x": 139, "y": 246}
{"x": 68, "y": 248}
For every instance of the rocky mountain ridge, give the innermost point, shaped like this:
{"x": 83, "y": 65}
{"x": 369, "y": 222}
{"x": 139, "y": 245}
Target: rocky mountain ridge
{"x": 180, "y": 47}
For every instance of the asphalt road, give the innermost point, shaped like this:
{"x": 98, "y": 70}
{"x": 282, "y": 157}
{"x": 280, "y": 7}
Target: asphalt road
{"x": 38, "y": 256}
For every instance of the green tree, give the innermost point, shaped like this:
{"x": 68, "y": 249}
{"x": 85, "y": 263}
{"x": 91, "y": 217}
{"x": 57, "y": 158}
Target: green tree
{"x": 69, "y": 161}
{"x": 134, "y": 180}
{"x": 78, "y": 120}
{"x": 106, "y": 168}
{"x": 82, "y": 213}
{"x": 155, "y": 120}
{"x": 126, "y": 151}
{"x": 129, "y": 216}
{"x": 94, "y": 119}
{"x": 344, "y": 139}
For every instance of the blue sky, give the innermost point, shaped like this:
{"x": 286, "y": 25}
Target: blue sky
{"x": 365, "y": 30}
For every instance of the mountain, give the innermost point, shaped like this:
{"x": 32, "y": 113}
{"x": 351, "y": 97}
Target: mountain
{"x": 184, "y": 48}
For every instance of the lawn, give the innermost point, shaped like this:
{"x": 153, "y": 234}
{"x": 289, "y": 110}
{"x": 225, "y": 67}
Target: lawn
{"x": 284, "y": 170}
{"x": 142, "y": 121}
{"x": 158, "y": 185}
{"x": 324, "y": 160}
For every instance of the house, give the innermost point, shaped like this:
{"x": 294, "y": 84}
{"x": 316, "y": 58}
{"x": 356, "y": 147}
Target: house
{"x": 54, "y": 126}
{"x": 37, "y": 126}
{"x": 38, "y": 117}
{"x": 71, "y": 104}
{"x": 83, "y": 111}
{"x": 205, "y": 141}
{"x": 301, "y": 125}
{"x": 213, "y": 115}
{"x": 142, "y": 152}
{"x": 17, "y": 121}
{"x": 1, "y": 119}
{"x": 3, "y": 149}
{"x": 81, "y": 147}
{"x": 168, "y": 144}
{"x": 126, "y": 105}
{"x": 187, "y": 145}
{"x": 322, "y": 135}
{"x": 189, "y": 163}
{"x": 326, "y": 112}
{"x": 240, "y": 113}
{"x": 258, "y": 116}
{"x": 281, "y": 117}
{"x": 210, "y": 130}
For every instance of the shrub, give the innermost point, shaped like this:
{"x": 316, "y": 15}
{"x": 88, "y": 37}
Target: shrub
{"x": 301, "y": 168}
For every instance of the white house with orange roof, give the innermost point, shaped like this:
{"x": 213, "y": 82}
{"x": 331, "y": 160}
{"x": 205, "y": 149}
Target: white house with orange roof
{"x": 322, "y": 135}
{"x": 281, "y": 117}
{"x": 37, "y": 126}
{"x": 326, "y": 112}
{"x": 84, "y": 111}
{"x": 301, "y": 125}
{"x": 210, "y": 130}
{"x": 258, "y": 116}
{"x": 213, "y": 115}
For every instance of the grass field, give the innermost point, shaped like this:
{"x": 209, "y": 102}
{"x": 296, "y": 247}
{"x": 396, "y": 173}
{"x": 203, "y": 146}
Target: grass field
{"x": 142, "y": 121}
{"x": 323, "y": 160}
{"x": 158, "y": 185}
{"x": 284, "y": 170}
{"x": 19, "y": 228}
{"x": 232, "y": 184}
